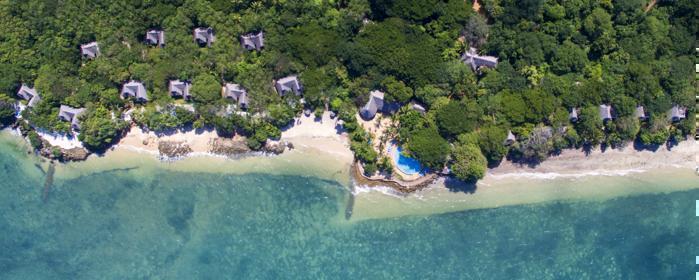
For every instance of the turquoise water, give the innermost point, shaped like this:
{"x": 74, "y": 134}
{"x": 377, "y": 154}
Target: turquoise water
{"x": 175, "y": 225}
{"x": 405, "y": 164}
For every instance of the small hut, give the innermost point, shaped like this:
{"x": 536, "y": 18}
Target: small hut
{"x": 253, "y": 41}
{"x": 134, "y": 89}
{"x": 510, "y": 138}
{"x": 374, "y": 104}
{"x": 605, "y": 112}
{"x": 471, "y": 57}
{"x": 419, "y": 108}
{"x": 70, "y": 114}
{"x": 90, "y": 50}
{"x": 29, "y": 94}
{"x": 640, "y": 113}
{"x": 288, "y": 84}
{"x": 180, "y": 89}
{"x": 204, "y": 36}
{"x": 237, "y": 93}
{"x": 155, "y": 38}
{"x": 573, "y": 116}
{"x": 677, "y": 113}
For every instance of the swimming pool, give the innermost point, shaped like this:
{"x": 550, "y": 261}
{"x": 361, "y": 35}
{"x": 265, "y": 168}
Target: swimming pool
{"x": 407, "y": 165}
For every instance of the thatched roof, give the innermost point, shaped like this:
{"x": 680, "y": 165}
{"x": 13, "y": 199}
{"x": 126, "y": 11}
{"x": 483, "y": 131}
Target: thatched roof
{"x": 374, "y": 104}
{"x": 288, "y": 84}
{"x": 253, "y": 41}
{"x": 134, "y": 89}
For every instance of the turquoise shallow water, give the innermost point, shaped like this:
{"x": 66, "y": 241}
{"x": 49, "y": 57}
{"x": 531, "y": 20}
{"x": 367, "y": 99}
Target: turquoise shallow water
{"x": 175, "y": 225}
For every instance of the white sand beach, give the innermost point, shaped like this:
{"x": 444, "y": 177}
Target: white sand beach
{"x": 61, "y": 140}
{"x": 305, "y": 132}
{"x": 321, "y": 152}
{"x": 138, "y": 140}
{"x": 576, "y": 163}
{"x": 572, "y": 175}
{"x": 569, "y": 176}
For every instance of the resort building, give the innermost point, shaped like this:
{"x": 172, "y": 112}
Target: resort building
{"x": 204, "y": 36}
{"x": 677, "y": 113}
{"x": 510, "y": 138}
{"x": 605, "y": 112}
{"x": 573, "y": 116}
{"x": 155, "y": 38}
{"x": 90, "y": 50}
{"x": 70, "y": 114}
{"x": 288, "y": 84}
{"x": 237, "y": 93}
{"x": 180, "y": 89}
{"x": 640, "y": 113}
{"x": 253, "y": 41}
{"x": 374, "y": 104}
{"x": 29, "y": 94}
{"x": 477, "y": 61}
{"x": 134, "y": 89}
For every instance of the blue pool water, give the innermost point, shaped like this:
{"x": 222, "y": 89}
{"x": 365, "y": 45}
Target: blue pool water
{"x": 405, "y": 164}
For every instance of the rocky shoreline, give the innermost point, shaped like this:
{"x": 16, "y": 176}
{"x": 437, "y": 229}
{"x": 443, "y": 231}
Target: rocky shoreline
{"x": 167, "y": 149}
{"x": 52, "y": 152}
{"x": 404, "y": 187}
{"x": 229, "y": 147}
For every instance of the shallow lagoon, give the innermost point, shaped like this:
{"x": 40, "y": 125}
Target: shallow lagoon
{"x": 156, "y": 223}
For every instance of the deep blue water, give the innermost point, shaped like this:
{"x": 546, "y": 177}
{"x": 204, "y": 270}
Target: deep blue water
{"x": 174, "y": 225}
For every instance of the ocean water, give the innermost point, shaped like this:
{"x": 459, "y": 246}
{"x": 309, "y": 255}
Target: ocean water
{"x": 160, "y": 224}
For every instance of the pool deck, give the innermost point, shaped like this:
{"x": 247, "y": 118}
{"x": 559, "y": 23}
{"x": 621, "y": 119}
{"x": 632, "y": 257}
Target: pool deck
{"x": 405, "y": 177}
{"x": 400, "y": 181}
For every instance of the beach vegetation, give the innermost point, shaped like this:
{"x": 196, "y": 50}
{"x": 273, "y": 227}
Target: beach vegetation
{"x": 34, "y": 140}
{"x": 98, "y": 130}
{"x": 429, "y": 147}
{"x": 468, "y": 163}
{"x": 458, "y": 117}
{"x": 552, "y": 57}
{"x": 490, "y": 141}
{"x": 206, "y": 88}
{"x": 7, "y": 110}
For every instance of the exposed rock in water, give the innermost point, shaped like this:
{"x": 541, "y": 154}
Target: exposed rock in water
{"x": 173, "y": 148}
{"x": 74, "y": 154}
{"x": 228, "y": 147}
{"x": 49, "y": 151}
{"x": 275, "y": 147}
{"x": 58, "y": 153}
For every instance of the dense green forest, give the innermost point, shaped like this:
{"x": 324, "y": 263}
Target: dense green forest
{"x": 554, "y": 55}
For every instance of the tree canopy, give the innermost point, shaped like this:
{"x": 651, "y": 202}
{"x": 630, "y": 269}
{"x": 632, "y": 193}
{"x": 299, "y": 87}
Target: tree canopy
{"x": 553, "y": 57}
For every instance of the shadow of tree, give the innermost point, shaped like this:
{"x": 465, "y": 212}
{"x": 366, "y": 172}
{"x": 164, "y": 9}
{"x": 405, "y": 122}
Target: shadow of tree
{"x": 455, "y": 185}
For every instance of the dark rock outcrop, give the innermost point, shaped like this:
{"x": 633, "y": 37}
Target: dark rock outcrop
{"x": 228, "y": 147}
{"x": 173, "y": 148}
{"x": 275, "y": 147}
{"x": 74, "y": 154}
